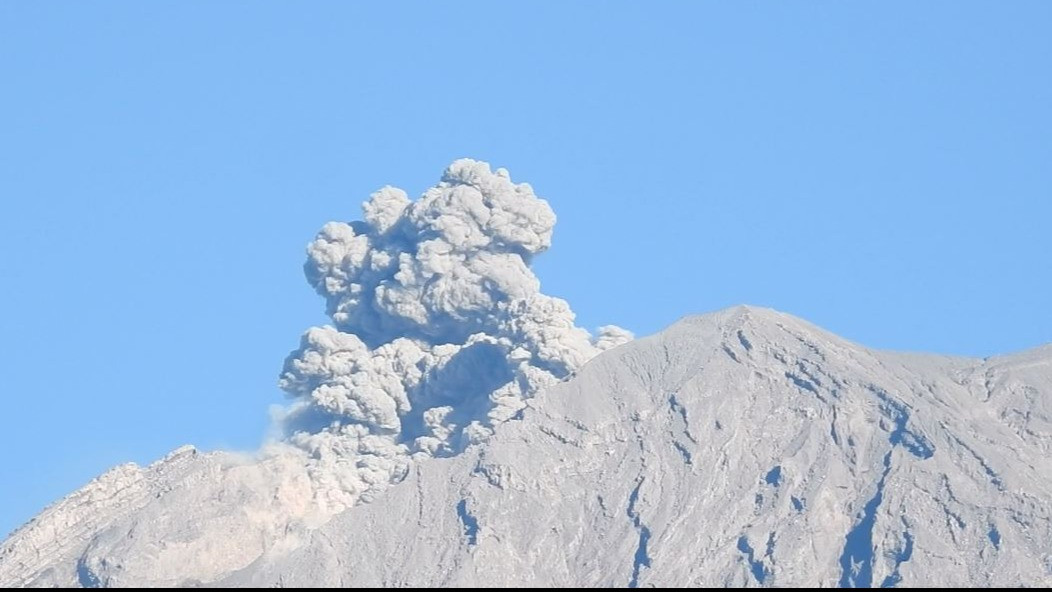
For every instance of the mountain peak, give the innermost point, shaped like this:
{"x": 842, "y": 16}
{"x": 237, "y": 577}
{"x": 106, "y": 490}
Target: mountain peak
{"x": 746, "y": 333}
{"x": 744, "y": 316}
{"x": 744, "y": 447}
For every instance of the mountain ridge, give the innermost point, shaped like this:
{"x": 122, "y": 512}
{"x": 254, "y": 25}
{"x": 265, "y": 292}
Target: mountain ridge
{"x": 742, "y": 447}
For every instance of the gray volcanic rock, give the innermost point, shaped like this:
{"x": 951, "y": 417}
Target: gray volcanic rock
{"x": 743, "y": 448}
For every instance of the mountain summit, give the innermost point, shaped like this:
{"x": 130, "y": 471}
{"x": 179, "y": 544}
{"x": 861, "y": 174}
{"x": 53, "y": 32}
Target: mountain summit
{"x": 744, "y": 448}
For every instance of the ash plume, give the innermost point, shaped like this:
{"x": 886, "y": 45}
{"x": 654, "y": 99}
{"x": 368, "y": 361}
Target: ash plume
{"x": 440, "y": 331}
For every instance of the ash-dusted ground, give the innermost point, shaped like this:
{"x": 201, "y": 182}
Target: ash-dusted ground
{"x": 744, "y": 447}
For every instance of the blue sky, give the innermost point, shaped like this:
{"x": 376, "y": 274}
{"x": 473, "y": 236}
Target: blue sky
{"x": 879, "y": 168}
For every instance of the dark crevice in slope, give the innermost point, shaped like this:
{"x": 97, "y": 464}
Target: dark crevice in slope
{"x": 916, "y": 444}
{"x": 471, "y": 524}
{"x": 904, "y": 555}
{"x": 832, "y": 429}
{"x": 730, "y": 353}
{"x": 547, "y": 431}
{"x": 85, "y": 577}
{"x": 955, "y": 517}
{"x": 687, "y": 458}
{"x": 745, "y": 342}
{"x": 944, "y": 482}
{"x": 602, "y": 504}
{"x": 992, "y": 475}
{"x": 828, "y": 382}
{"x": 679, "y": 412}
{"x": 642, "y": 557}
{"x": 1019, "y": 518}
{"x": 490, "y": 473}
{"x": 988, "y": 385}
{"x": 576, "y": 424}
{"x": 802, "y": 368}
{"x": 802, "y": 383}
{"x": 810, "y": 345}
{"x": 995, "y": 537}
{"x": 856, "y": 562}
{"x": 756, "y": 567}
{"x": 679, "y": 409}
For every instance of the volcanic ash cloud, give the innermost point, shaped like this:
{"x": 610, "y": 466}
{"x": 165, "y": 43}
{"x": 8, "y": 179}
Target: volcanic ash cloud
{"x": 440, "y": 331}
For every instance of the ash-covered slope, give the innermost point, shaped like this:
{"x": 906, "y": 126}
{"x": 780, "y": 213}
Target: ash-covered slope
{"x": 744, "y": 447}
{"x": 741, "y": 448}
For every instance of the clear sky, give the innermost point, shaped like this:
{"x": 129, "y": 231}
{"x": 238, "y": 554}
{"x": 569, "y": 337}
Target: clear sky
{"x": 883, "y": 169}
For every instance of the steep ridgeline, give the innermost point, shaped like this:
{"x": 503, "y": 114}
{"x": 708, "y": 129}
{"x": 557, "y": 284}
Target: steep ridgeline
{"x": 743, "y": 448}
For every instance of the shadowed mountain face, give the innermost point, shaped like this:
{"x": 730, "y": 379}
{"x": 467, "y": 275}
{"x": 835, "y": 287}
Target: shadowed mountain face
{"x": 743, "y": 448}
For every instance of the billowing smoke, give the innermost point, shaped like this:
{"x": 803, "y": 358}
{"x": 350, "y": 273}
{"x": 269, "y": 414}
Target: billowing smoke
{"x": 440, "y": 331}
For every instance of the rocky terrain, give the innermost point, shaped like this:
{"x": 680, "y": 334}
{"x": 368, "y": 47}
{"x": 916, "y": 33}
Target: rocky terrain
{"x": 744, "y": 448}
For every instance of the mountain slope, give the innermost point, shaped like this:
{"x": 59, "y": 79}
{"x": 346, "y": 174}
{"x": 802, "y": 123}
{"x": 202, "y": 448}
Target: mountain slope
{"x": 744, "y": 447}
